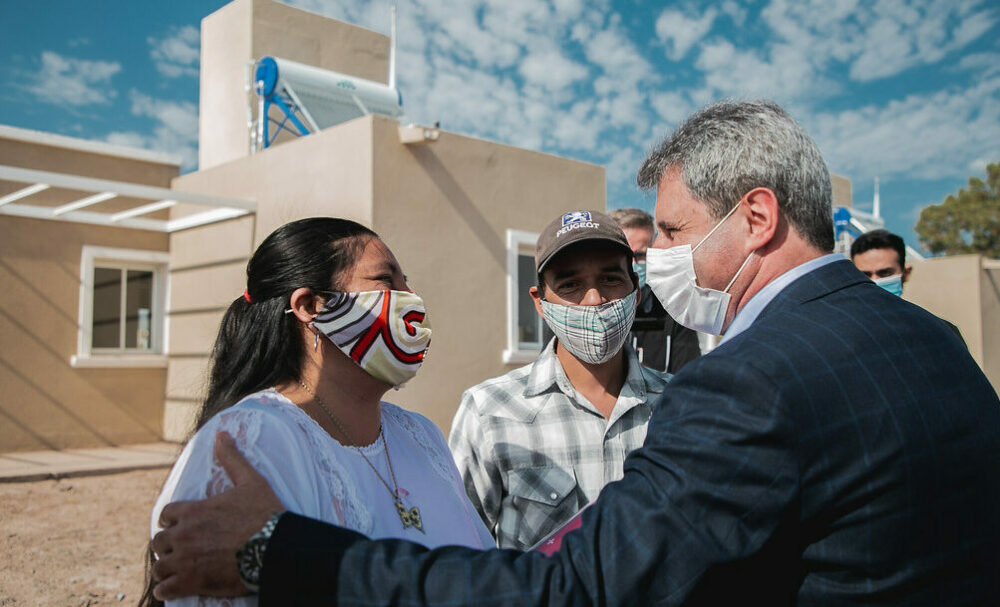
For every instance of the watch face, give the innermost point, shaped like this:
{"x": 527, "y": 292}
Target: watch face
{"x": 250, "y": 558}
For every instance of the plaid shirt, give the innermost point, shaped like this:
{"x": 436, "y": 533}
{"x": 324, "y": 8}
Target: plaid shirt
{"x": 532, "y": 451}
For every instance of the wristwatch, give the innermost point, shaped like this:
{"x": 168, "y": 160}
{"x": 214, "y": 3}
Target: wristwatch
{"x": 250, "y": 558}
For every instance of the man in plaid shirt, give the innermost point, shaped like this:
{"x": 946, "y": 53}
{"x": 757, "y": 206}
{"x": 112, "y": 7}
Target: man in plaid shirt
{"x": 538, "y": 444}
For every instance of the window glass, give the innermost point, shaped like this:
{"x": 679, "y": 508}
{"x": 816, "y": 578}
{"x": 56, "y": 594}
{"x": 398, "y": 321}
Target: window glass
{"x": 138, "y": 306}
{"x": 107, "y": 307}
{"x": 528, "y": 323}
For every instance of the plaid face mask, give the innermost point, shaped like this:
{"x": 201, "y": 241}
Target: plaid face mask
{"x": 593, "y": 334}
{"x": 385, "y": 332}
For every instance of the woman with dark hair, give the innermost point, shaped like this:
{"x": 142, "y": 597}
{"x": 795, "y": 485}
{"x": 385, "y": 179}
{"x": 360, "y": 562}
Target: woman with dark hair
{"x": 326, "y": 326}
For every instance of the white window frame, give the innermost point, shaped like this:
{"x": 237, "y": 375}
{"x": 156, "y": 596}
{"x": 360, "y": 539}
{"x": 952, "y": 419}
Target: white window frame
{"x": 516, "y": 352}
{"x": 137, "y": 259}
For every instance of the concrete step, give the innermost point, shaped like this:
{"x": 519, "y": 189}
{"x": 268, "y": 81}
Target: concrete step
{"x": 22, "y": 466}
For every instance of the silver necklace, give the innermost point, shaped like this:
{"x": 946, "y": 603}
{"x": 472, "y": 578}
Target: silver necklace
{"x": 409, "y": 518}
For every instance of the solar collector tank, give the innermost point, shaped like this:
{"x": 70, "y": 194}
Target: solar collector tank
{"x": 330, "y": 97}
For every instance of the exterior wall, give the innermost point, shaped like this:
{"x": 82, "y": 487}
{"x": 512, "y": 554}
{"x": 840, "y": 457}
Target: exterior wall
{"x": 949, "y": 287}
{"x": 328, "y": 173}
{"x": 304, "y": 36}
{"x": 842, "y": 194}
{"x": 444, "y": 207}
{"x": 41, "y": 157}
{"x": 963, "y": 289}
{"x": 246, "y": 30}
{"x": 44, "y": 402}
{"x": 989, "y": 294}
{"x": 226, "y": 47}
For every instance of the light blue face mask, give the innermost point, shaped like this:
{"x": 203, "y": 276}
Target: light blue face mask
{"x": 892, "y": 284}
{"x": 639, "y": 267}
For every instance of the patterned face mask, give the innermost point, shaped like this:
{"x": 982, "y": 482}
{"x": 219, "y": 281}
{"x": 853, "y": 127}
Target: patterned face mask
{"x": 592, "y": 333}
{"x": 385, "y": 332}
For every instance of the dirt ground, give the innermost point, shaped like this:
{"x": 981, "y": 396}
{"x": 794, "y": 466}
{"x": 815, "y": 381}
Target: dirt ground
{"x": 76, "y": 541}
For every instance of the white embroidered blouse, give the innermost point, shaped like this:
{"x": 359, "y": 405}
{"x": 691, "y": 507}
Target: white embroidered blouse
{"x": 316, "y": 476}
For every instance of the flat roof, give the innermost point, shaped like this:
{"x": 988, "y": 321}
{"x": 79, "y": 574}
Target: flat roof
{"x": 86, "y": 145}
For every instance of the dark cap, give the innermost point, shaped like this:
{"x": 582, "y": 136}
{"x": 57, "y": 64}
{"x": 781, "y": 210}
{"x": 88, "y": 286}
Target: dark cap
{"x": 573, "y": 227}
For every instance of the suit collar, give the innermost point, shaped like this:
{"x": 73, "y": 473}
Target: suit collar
{"x": 806, "y": 280}
{"x": 815, "y": 284}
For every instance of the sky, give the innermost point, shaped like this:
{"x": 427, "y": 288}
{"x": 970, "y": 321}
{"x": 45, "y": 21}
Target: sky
{"x": 907, "y": 91}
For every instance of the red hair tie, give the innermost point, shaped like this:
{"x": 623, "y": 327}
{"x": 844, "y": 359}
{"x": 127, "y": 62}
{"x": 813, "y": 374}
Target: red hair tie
{"x": 246, "y": 295}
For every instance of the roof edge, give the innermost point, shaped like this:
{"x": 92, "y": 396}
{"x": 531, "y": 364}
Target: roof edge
{"x": 86, "y": 145}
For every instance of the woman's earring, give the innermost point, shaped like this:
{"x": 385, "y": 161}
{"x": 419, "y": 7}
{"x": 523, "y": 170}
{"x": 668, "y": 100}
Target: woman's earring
{"x": 316, "y": 342}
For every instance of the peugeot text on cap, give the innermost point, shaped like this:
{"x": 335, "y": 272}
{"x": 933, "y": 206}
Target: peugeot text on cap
{"x": 573, "y": 227}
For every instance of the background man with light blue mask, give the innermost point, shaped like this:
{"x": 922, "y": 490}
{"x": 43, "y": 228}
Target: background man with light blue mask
{"x": 536, "y": 445}
{"x": 881, "y": 256}
{"x": 660, "y": 341}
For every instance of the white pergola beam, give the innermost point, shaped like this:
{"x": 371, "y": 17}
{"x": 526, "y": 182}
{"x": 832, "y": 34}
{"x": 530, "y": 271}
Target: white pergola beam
{"x": 23, "y": 193}
{"x": 203, "y": 218}
{"x": 89, "y": 217}
{"x": 83, "y": 202}
{"x": 123, "y": 189}
{"x": 220, "y": 209}
{"x": 143, "y": 210}
{"x": 105, "y": 219}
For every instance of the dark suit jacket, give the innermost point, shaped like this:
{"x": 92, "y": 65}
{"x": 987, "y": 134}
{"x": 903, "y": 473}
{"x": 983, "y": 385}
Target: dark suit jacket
{"x": 845, "y": 449}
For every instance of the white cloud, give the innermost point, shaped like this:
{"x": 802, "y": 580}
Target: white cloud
{"x": 783, "y": 74}
{"x": 573, "y": 130}
{"x": 878, "y": 39}
{"x": 811, "y": 38}
{"x": 735, "y": 12}
{"x": 617, "y": 56}
{"x": 932, "y": 136}
{"x": 680, "y": 32}
{"x": 671, "y": 106}
{"x": 177, "y": 53}
{"x": 551, "y": 69}
{"x": 73, "y": 82}
{"x": 568, "y": 9}
{"x": 623, "y": 165}
{"x": 175, "y": 131}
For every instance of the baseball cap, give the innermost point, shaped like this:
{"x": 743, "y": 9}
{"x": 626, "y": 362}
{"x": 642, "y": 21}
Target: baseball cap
{"x": 573, "y": 227}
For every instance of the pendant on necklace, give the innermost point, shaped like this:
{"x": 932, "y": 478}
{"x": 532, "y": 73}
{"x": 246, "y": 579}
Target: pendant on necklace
{"x": 409, "y": 518}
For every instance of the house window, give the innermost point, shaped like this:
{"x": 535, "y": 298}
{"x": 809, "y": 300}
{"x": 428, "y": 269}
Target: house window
{"x": 524, "y": 327}
{"x": 123, "y": 300}
{"x": 122, "y": 294}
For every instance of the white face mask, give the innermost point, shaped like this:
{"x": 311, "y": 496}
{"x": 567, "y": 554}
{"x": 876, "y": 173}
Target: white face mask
{"x": 670, "y": 275}
{"x": 593, "y": 334}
